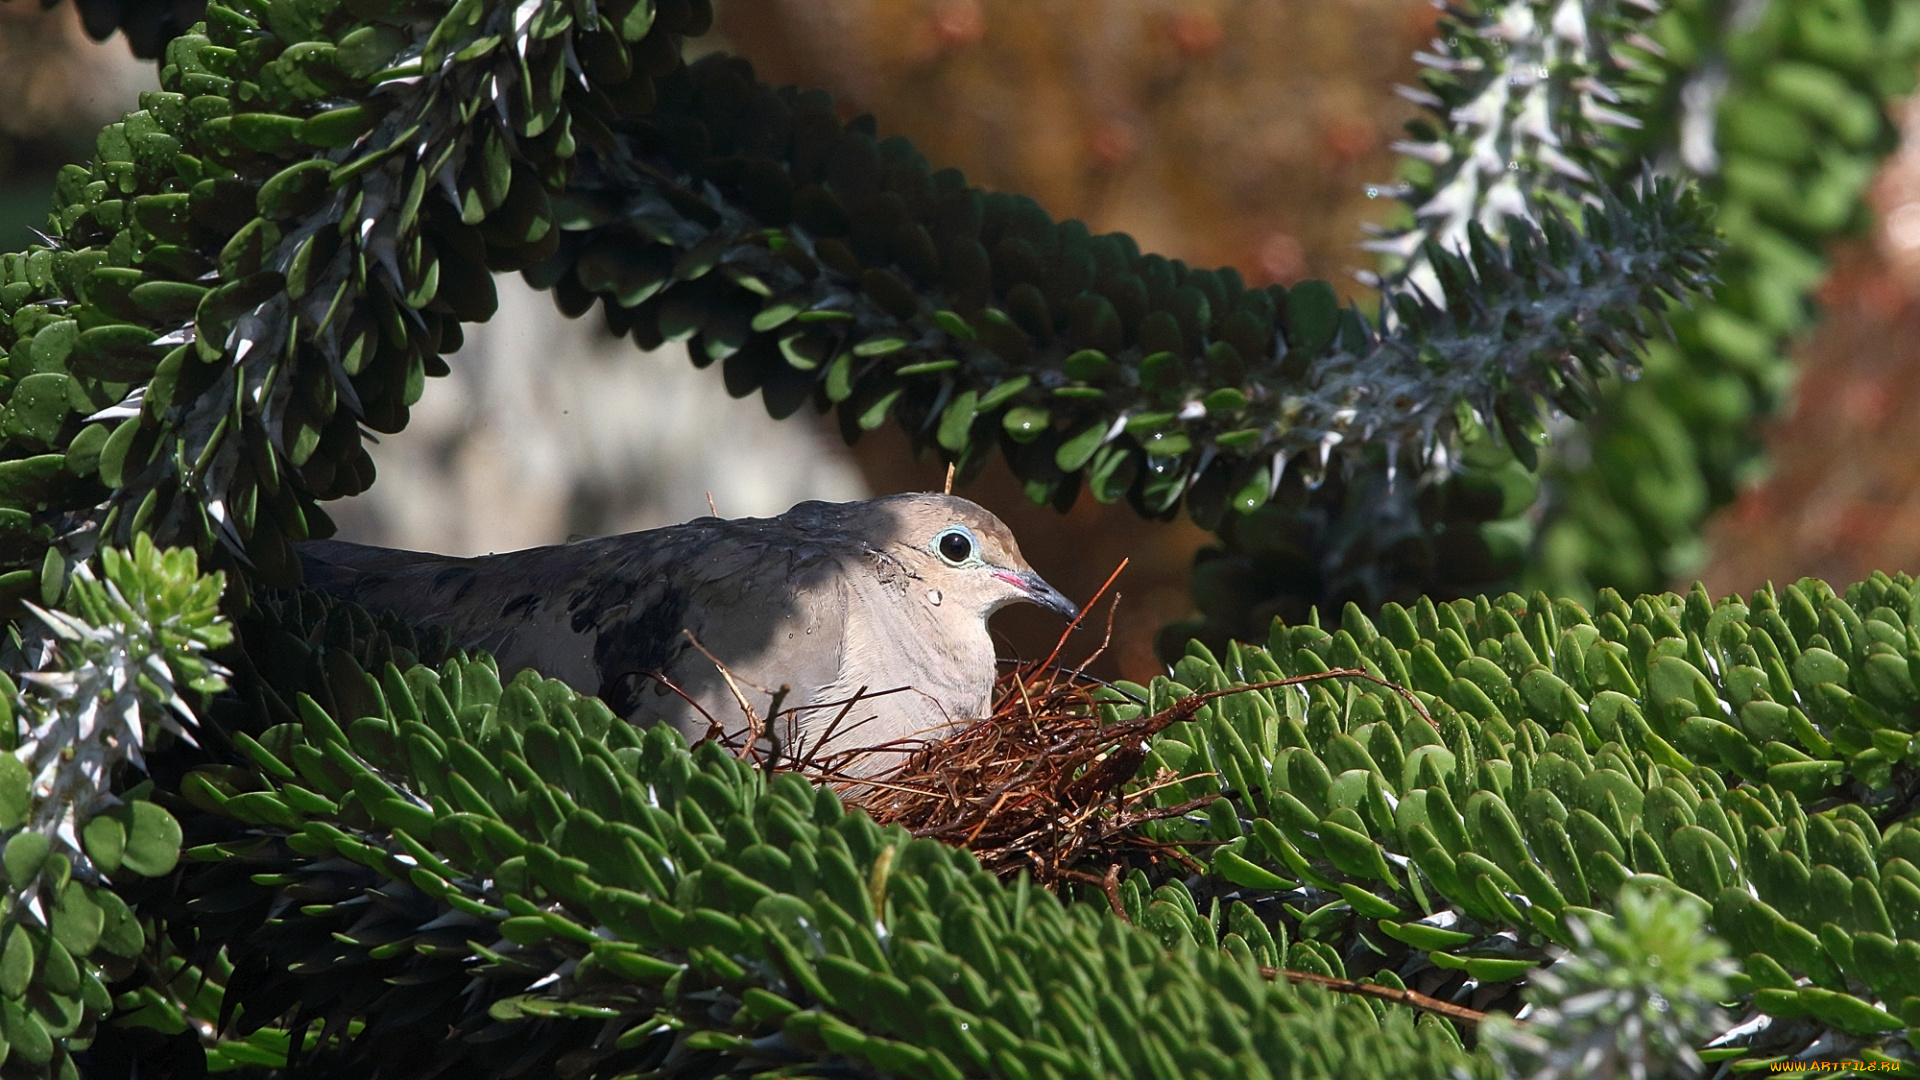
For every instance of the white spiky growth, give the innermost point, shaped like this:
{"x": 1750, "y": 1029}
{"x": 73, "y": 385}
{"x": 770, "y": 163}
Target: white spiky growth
{"x": 1630, "y": 1003}
{"x": 1537, "y": 104}
{"x": 110, "y": 679}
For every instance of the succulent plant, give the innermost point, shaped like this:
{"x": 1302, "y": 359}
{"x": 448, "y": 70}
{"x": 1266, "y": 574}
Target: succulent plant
{"x": 1632, "y": 999}
{"x": 278, "y": 248}
{"x": 1461, "y": 828}
{"x": 113, "y": 676}
{"x": 1754, "y": 754}
{"x": 382, "y": 838}
{"x": 1529, "y": 104}
{"x": 1777, "y": 112}
{"x": 597, "y": 900}
{"x": 1780, "y": 114}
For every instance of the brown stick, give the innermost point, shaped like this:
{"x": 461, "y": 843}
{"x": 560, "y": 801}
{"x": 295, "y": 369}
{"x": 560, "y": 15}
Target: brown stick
{"x": 1333, "y": 673}
{"x": 714, "y": 728}
{"x": 1112, "y": 609}
{"x": 987, "y": 817}
{"x": 1081, "y": 614}
{"x": 1410, "y": 998}
{"x": 755, "y": 725}
{"x": 1111, "y": 886}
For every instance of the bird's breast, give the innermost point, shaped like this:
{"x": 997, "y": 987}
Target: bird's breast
{"x": 932, "y": 669}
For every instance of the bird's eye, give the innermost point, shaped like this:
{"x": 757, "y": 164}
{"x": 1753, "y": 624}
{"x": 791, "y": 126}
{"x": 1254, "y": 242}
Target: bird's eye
{"x": 956, "y": 546}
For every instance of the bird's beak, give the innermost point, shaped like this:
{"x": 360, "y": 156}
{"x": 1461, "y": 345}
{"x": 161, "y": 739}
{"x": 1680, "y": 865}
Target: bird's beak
{"x": 1038, "y": 591}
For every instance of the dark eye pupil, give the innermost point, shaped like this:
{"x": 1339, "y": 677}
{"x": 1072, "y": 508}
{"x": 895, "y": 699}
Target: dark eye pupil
{"x": 955, "y": 547}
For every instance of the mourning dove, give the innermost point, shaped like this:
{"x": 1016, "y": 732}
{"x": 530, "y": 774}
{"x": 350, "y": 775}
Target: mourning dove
{"x": 886, "y": 599}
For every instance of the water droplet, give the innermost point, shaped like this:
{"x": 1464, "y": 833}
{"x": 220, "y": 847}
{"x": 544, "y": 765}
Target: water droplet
{"x": 1373, "y": 192}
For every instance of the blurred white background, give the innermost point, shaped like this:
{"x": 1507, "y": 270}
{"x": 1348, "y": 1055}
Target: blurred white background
{"x": 549, "y": 429}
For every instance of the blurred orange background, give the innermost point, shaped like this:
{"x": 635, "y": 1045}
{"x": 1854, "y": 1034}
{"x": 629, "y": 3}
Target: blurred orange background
{"x": 1245, "y": 132}
{"x": 1222, "y": 132}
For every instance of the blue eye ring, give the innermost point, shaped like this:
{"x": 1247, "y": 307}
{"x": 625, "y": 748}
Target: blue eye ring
{"x": 956, "y": 545}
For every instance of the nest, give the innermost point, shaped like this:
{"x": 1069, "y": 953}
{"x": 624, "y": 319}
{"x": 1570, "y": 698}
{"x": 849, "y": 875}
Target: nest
{"x": 1044, "y": 784}
{"x": 1040, "y": 784}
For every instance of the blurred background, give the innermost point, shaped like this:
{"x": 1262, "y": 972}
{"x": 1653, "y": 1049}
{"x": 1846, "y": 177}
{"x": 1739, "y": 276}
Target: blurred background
{"x": 1222, "y": 132}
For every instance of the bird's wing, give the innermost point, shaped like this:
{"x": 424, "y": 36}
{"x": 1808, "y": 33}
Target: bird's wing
{"x": 774, "y": 617}
{"x": 609, "y": 616}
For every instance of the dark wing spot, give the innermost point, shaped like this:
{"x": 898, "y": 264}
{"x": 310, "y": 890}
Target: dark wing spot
{"x": 462, "y": 574}
{"x": 520, "y": 606}
{"x": 629, "y": 651}
{"x": 590, "y": 603}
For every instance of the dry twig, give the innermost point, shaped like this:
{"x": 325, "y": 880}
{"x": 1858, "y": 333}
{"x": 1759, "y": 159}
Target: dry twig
{"x": 1411, "y": 999}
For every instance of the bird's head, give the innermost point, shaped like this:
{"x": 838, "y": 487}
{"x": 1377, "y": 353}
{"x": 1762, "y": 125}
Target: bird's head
{"x": 964, "y": 556}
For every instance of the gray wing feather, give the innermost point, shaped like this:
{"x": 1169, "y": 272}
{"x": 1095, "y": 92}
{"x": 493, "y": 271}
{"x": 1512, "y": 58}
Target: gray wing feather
{"x": 610, "y": 616}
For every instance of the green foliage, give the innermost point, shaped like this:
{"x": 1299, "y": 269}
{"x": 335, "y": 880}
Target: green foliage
{"x": 112, "y": 681}
{"x": 561, "y": 892}
{"x": 557, "y": 884}
{"x": 296, "y": 638}
{"x": 274, "y": 252}
{"x": 1782, "y": 116}
{"x": 1778, "y": 112}
{"x": 895, "y": 289}
{"x": 1634, "y": 998}
{"x": 251, "y": 269}
{"x": 1757, "y": 755}
{"x": 1525, "y": 100}
{"x": 1671, "y": 746}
